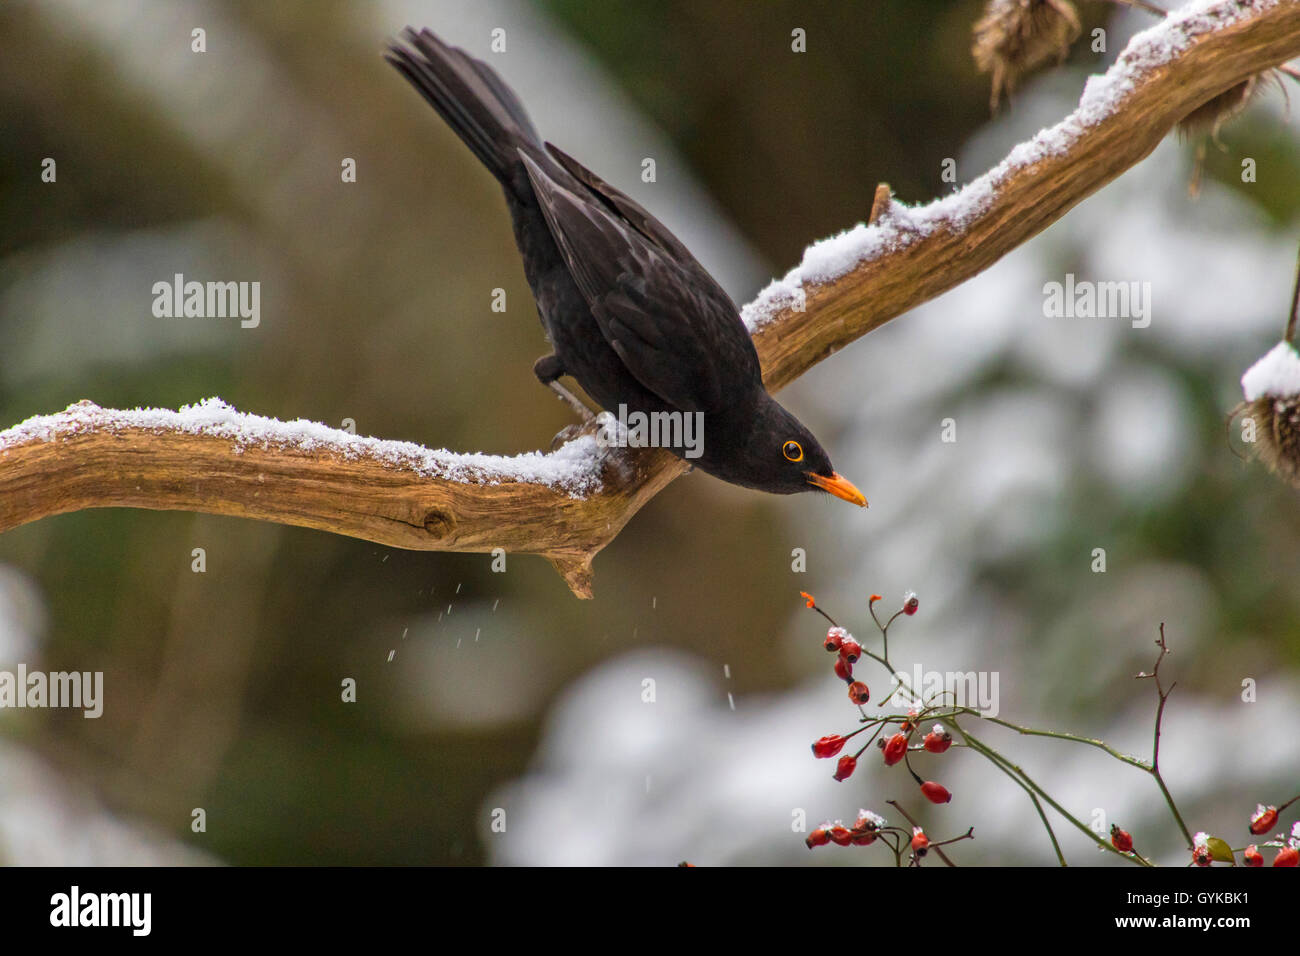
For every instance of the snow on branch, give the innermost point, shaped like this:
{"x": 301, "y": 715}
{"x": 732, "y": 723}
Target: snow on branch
{"x": 211, "y": 458}
{"x": 853, "y": 283}
{"x": 569, "y": 504}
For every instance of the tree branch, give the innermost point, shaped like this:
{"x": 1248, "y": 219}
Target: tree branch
{"x": 567, "y": 506}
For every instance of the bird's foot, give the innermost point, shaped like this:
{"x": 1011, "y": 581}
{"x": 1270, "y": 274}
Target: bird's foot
{"x": 602, "y": 426}
{"x": 570, "y": 433}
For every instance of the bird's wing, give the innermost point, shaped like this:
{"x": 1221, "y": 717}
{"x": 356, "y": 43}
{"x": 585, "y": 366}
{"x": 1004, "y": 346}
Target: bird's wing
{"x": 623, "y": 206}
{"x": 671, "y": 324}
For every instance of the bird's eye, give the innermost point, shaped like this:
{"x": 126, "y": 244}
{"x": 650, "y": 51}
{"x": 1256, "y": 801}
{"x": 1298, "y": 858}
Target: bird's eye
{"x": 792, "y": 451}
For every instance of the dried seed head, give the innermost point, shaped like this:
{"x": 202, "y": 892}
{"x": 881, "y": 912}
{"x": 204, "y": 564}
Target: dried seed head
{"x": 1277, "y": 434}
{"x": 1271, "y": 411}
{"x": 1014, "y": 37}
{"x": 1214, "y": 112}
{"x": 1208, "y": 118}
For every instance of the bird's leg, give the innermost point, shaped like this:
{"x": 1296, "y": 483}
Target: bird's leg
{"x": 548, "y": 371}
{"x": 581, "y": 410}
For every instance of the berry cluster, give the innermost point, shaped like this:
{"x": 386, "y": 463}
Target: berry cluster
{"x": 897, "y": 747}
{"x": 901, "y": 738}
{"x": 871, "y": 827}
{"x": 907, "y": 738}
{"x": 1261, "y": 821}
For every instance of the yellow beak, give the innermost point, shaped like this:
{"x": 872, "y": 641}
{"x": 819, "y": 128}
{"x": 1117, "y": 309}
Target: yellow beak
{"x": 838, "y": 486}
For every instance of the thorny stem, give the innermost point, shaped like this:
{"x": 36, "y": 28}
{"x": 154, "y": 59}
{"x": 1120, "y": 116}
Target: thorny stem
{"x": 1152, "y": 768}
{"x": 1160, "y": 716}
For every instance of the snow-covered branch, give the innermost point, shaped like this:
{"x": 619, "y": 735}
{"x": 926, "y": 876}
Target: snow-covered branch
{"x": 569, "y": 504}
{"x": 209, "y": 457}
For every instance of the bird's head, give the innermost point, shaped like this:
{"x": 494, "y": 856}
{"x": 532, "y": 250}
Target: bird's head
{"x": 778, "y": 454}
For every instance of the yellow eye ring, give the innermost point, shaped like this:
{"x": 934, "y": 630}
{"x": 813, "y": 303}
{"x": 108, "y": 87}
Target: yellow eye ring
{"x": 792, "y": 451}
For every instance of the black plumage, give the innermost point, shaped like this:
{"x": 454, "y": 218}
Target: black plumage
{"x": 630, "y": 313}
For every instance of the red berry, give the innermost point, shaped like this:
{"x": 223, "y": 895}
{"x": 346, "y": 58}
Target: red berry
{"x": 919, "y": 840}
{"x": 850, "y": 649}
{"x": 895, "y": 749}
{"x": 1120, "y": 839}
{"x": 910, "y": 603}
{"x": 935, "y": 792}
{"x": 834, "y": 639}
{"x": 866, "y": 829}
{"x": 840, "y": 835}
{"x": 938, "y": 740}
{"x": 843, "y": 669}
{"x": 1263, "y": 819}
{"x": 819, "y": 837}
{"x": 828, "y": 746}
{"x": 1287, "y": 856}
{"x": 845, "y": 766}
{"x": 1252, "y": 856}
{"x": 858, "y": 693}
{"x": 1201, "y": 855}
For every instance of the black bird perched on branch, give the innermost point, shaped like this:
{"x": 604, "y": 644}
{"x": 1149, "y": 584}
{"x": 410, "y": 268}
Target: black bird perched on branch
{"x": 630, "y": 313}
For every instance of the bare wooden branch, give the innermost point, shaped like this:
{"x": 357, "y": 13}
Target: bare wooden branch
{"x": 914, "y": 256}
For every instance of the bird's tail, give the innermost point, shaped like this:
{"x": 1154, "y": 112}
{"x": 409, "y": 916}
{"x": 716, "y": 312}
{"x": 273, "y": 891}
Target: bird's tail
{"x": 468, "y": 94}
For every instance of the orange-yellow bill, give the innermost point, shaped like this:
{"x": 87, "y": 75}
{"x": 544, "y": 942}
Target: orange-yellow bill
{"x": 839, "y": 486}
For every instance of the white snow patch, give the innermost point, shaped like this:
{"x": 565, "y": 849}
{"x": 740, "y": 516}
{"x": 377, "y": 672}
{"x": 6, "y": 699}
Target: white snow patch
{"x": 1277, "y": 374}
{"x": 573, "y": 469}
{"x": 901, "y": 225}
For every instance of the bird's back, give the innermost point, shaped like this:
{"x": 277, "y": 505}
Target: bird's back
{"x": 632, "y": 315}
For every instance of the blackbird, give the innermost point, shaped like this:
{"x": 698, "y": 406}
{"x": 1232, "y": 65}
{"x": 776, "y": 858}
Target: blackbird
{"x": 630, "y": 313}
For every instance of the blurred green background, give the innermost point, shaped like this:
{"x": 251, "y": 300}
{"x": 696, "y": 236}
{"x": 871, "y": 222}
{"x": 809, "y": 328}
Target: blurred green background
{"x": 223, "y": 687}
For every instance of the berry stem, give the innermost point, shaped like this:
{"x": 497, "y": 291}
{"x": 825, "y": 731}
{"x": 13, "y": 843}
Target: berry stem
{"x": 1295, "y": 307}
{"x": 1060, "y": 735}
{"x": 1016, "y": 770}
{"x": 1160, "y": 716}
{"x": 933, "y": 846}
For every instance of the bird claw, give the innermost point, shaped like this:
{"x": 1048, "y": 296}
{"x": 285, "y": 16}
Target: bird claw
{"x": 572, "y": 433}
{"x": 622, "y": 465}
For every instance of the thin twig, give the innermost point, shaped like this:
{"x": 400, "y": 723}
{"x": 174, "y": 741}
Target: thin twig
{"x": 1160, "y": 716}
{"x": 1069, "y": 817}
